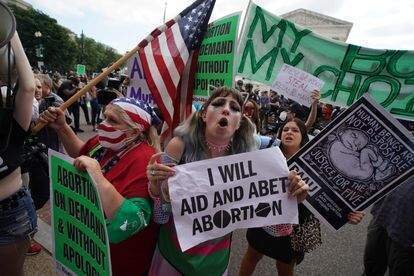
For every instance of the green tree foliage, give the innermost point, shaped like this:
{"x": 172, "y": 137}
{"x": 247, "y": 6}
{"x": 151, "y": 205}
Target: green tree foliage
{"x": 61, "y": 51}
{"x": 95, "y": 55}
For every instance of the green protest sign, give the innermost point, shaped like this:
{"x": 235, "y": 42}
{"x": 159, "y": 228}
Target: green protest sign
{"x": 80, "y": 69}
{"x": 79, "y": 233}
{"x": 349, "y": 71}
{"x": 216, "y": 56}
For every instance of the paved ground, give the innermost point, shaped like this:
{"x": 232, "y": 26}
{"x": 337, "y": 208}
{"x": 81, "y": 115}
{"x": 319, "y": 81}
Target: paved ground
{"x": 340, "y": 254}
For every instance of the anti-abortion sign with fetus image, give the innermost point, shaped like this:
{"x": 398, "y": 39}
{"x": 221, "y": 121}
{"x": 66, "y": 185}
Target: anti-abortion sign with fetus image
{"x": 213, "y": 197}
{"x": 357, "y": 159}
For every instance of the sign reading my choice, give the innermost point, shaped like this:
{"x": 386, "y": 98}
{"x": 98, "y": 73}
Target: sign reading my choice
{"x": 211, "y": 198}
{"x": 349, "y": 71}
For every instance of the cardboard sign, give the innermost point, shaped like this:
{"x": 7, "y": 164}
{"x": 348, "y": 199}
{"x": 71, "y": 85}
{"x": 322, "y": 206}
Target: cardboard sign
{"x": 356, "y": 160}
{"x": 138, "y": 87}
{"x": 216, "y": 57}
{"x": 80, "y": 69}
{"x": 296, "y": 84}
{"x": 80, "y": 239}
{"x": 211, "y": 198}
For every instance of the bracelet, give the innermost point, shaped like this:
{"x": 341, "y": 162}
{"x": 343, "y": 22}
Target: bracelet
{"x": 151, "y": 193}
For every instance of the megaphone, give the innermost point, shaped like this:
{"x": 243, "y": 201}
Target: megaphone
{"x": 7, "y": 30}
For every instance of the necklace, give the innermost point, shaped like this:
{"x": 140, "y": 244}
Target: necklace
{"x": 217, "y": 148}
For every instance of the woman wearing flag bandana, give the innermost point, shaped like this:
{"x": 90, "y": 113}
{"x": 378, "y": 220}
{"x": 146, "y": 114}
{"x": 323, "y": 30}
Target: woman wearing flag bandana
{"x": 116, "y": 159}
{"x": 219, "y": 129}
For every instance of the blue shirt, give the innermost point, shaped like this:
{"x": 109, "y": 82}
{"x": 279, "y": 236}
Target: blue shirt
{"x": 395, "y": 212}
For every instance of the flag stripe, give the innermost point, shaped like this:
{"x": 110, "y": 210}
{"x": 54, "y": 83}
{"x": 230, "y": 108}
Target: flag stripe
{"x": 182, "y": 49}
{"x": 159, "y": 85}
{"x": 112, "y": 140}
{"x": 169, "y": 62}
{"x": 164, "y": 67}
{"x": 175, "y": 53}
{"x": 153, "y": 88}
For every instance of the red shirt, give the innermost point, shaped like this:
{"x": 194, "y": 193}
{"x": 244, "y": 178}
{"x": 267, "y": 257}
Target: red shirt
{"x": 132, "y": 256}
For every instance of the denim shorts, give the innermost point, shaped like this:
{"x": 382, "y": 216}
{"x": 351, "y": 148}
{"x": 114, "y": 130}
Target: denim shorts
{"x": 18, "y": 217}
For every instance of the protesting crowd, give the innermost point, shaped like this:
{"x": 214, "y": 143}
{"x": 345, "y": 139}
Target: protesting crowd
{"x": 133, "y": 165}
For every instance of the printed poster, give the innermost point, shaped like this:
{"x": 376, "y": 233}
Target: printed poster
{"x": 216, "y": 57}
{"x": 212, "y": 198}
{"x": 80, "y": 240}
{"x": 356, "y": 160}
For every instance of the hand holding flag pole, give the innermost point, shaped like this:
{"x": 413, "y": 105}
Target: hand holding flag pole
{"x": 169, "y": 60}
{"x": 94, "y": 82}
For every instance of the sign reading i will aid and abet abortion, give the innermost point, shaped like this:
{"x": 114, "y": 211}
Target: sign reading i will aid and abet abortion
{"x": 80, "y": 240}
{"x": 213, "y": 197}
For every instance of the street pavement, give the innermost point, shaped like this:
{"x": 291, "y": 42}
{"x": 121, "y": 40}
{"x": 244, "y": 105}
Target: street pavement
{"x": 340, "y": 254}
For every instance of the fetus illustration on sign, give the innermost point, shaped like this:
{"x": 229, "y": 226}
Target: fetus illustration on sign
{"x": 355, "y": 158}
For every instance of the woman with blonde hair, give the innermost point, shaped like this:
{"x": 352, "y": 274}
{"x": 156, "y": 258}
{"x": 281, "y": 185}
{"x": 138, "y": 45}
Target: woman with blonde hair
{"x": 218, "y": 129}
{"x": 116, "y": 159}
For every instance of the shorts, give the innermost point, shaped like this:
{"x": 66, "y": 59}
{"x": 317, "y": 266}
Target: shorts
{"x": 18, "y": 217}
{"x": 278, "y": 248}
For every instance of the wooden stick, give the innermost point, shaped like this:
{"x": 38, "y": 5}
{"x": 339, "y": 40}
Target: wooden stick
{"x": 92, "y": 83}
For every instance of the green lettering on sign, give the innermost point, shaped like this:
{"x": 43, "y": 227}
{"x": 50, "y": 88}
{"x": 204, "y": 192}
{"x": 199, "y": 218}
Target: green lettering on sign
{"x": 348, "y": 71}
{"x": 79, "y": 227}
{"x": 216, "y": 56}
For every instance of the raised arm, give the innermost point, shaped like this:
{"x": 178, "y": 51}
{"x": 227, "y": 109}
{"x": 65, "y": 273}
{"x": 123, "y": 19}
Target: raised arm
{"x": 315, "y": 96}
{"x": 25, "y": 94}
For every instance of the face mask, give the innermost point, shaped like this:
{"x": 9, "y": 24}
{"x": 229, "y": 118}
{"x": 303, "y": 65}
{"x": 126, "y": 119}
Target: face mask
{"x": 111, "y": 138}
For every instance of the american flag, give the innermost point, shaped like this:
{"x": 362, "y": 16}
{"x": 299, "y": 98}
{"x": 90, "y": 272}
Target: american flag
{"x": 169, "y": 59}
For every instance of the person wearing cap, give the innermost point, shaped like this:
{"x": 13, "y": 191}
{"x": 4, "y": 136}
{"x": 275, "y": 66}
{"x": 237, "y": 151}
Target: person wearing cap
{"x": 117, "y": 159}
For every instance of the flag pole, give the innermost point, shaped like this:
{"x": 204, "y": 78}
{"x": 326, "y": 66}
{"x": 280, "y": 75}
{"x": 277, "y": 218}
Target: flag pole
{"x": 92, "y": 83}
{"x": 165, "y": 11}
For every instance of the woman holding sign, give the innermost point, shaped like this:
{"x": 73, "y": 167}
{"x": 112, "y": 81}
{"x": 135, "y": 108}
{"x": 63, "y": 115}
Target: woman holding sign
{"x": 219, "y": 129}
{"x": 285, "y": 243}
{"x": 116, "y": 160}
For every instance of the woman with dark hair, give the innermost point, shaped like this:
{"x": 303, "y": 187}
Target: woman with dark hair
{"x": 17, "y": 213}
{"x": 276, "y": 241}
{"x": 219, "y": 129}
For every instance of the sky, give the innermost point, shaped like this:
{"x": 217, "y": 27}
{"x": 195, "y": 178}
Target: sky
{"x": 121, "y": 24}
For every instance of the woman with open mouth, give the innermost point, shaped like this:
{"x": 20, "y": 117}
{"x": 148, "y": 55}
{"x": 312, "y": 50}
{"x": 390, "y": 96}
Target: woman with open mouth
{"x": 218, "y": 129}
{"x": 279, "y": 241}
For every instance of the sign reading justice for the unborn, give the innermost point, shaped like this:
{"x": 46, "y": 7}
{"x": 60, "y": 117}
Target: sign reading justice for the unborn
{"x": 211, "y": 198}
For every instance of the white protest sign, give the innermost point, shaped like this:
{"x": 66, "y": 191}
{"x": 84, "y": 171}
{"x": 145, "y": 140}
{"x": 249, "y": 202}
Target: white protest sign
{"x": 138, "y": 87}
{"x": 296, "y": 84}
{"x": 211, "y": 198}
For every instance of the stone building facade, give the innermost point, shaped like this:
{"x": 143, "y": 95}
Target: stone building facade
{"x": 319, "y": 23}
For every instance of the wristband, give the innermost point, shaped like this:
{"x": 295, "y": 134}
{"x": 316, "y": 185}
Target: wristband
{"x": 151, "y": 193}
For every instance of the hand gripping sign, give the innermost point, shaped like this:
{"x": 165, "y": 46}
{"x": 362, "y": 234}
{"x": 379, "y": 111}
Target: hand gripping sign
{"x": 211, "y": 198}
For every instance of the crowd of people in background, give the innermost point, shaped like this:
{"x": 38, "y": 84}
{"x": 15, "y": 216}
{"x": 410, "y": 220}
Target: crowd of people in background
{"x": 131, "y": 179}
